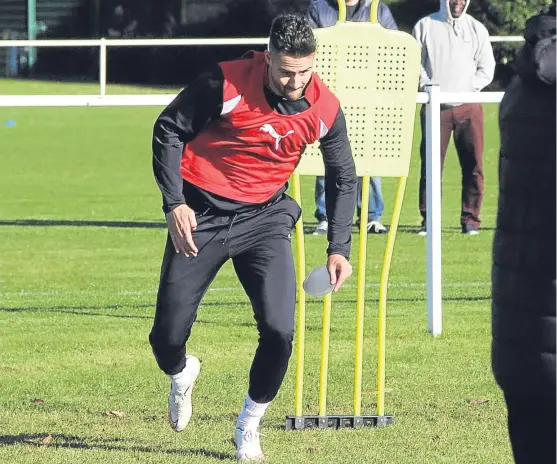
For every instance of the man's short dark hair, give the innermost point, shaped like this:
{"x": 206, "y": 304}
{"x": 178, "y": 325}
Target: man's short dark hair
{"x": 292, "y": 35}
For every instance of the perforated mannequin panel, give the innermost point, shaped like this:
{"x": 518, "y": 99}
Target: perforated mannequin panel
{"x": 374, "y": 73}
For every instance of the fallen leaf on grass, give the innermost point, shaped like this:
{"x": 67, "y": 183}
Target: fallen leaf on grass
{"x": 477, "y": 402}
{"x": 46, "y": 440}
{"x": 115, "y": 413}
{"x": 38, "y": 401}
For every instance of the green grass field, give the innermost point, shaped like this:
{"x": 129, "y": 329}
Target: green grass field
{"x": 81, "y": 243}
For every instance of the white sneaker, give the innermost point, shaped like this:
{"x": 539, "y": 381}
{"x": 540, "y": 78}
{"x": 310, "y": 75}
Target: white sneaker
{"x": 470, "y": 229}
{"x": 321, "y": 228}
{"x": 375, "y": 227}
{"x": 472, "y": 232}
{"x": 179, "y": 398}
{"x": 247, "y": 444}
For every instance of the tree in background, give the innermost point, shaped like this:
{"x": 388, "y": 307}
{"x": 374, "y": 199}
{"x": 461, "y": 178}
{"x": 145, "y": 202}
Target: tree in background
{"x": 503, "y": 17}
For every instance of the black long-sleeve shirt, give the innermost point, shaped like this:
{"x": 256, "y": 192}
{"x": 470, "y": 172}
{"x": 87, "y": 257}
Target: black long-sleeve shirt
{"x": 200, "y": 104}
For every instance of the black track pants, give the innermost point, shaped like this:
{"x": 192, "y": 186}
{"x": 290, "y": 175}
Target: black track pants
{"x": 532, "y": 430}
{"x": 259, "y": 245}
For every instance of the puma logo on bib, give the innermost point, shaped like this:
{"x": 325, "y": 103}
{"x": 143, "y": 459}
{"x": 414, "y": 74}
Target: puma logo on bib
{"x": 273, "y": 133}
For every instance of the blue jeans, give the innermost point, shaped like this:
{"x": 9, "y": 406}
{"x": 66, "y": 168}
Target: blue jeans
{"x": 376, "y": 205}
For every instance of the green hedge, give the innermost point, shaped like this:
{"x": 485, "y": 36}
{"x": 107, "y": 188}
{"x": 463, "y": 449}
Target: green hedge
{"x": 503, "y": 17}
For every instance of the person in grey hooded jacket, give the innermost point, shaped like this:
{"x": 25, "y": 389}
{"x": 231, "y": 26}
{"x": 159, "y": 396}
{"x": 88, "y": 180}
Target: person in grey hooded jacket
{"x": 457, "y": 56}
{"x": 523, "y": 272}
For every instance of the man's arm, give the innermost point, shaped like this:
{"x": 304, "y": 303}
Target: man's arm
{"x": 386, "y": 18}
{"x": 196, "y": 106}
{"x": 485, "y": 61}
{"x": 340, "y": 186}
{"x": 425, "y": 78}
{"x": 313, "y": 14}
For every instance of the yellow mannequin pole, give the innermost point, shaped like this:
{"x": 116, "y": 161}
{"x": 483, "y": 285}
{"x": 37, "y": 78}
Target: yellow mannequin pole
{"x": 374, "y": 12}
{"x": 326, "y": 331}
{"x": 360, "y": 299}
{"x": 301, "y": 262}
{"x": 382, "y": 323}
{"x": 341, "y": 11}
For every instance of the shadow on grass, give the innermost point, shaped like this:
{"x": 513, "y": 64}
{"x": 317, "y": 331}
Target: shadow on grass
{"x": 68, "y": 223}
{"x": 87, "y": 310}
{"x": 309, "y": 227}
{"x": 402, "y": 228}
{"x": 105, "y": 444}
{"x": 76, "y": 310}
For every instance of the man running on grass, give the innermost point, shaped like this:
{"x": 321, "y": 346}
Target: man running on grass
{"x": 223, "y": 152}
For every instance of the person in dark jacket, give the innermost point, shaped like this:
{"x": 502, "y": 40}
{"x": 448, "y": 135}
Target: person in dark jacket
{"x": 324, "y": 13}
{"x": 523, "y": 273}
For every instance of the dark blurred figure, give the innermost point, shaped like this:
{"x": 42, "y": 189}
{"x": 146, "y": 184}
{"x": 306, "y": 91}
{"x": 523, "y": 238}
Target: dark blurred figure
{"x": 163, "y": 59}
{"x": 122, "y": 24}
{"x": 523, "y": 273}
{"x": 125, "y": 64}
{"x": 170, "y": 27}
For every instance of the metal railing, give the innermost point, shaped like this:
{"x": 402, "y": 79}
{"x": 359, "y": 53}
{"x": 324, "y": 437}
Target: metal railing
{"x": 103, "y": 44}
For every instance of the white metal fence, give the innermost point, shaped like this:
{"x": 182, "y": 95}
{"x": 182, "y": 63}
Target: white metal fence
{"x": 433, "y": 98}
{"x": 103, "y": 44}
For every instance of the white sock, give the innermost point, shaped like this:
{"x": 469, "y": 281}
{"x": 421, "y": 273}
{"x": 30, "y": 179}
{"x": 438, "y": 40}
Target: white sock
{"x": 251, "y": 414}
{"x": 181, "y": 381}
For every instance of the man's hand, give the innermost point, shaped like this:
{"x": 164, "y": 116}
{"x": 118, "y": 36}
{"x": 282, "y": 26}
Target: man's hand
{"x": 181, "y": 223}
{"x": 339, "y": 270}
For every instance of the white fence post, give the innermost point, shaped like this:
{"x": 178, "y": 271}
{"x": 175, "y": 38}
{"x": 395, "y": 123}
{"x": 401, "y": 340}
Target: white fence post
{"x": 433, "y": 222}
{"x": 102, "y": 67}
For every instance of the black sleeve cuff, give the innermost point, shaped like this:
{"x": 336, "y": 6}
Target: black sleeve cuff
{"x": 166, "y": 208}
{"x": 335, "y": 249}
